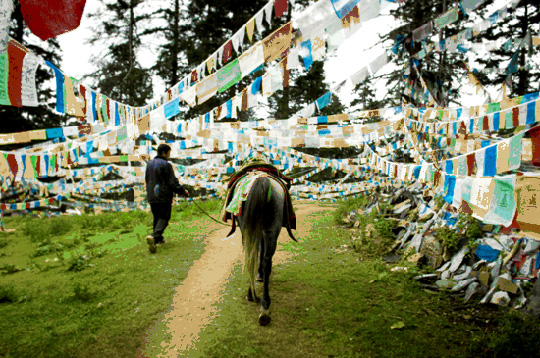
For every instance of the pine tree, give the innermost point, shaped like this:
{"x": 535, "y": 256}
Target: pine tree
{"x": 512, "y": 30}
{"x": 304, "y": 88}
{"x": 16, "y": 119}
{"x": 170, "y": 53}
{"x": 440, "y": 70}
{"x": 119, "y": 75}
{"x": 366, "y": 96}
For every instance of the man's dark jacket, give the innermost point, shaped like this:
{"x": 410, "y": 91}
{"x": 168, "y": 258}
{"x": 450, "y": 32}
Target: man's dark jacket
{"x": 161, "y": 183}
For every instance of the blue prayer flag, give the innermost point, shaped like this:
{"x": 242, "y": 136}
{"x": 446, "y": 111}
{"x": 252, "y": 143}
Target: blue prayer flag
{"x": 490, "y": 161}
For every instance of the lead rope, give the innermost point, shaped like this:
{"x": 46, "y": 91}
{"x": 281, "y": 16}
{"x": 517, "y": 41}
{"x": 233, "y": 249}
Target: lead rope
{"x": 204, "y": 212}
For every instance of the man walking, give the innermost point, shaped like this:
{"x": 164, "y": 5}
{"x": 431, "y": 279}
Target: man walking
{"x": 161, "y": 184}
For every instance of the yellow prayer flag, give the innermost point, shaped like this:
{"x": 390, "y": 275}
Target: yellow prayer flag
{"x": 250, "y": 27}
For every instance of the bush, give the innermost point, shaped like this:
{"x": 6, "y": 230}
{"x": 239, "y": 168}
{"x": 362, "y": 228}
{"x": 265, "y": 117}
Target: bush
{"x": 8, "y": 294}
{"x": 348, "y": 205}
{"x": 43, "y": 230}
{"x": 82, "y": 292}
{"x": 470, "y": 227}
{"x": 9, "y": 268}
{"x": 448, "y": 238}
{"x": 79, "y": 262}
{"x": 53, "y": 247}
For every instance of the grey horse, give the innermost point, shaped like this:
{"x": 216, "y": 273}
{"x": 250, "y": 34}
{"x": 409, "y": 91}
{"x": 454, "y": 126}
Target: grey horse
{"x": 260, "y": 223}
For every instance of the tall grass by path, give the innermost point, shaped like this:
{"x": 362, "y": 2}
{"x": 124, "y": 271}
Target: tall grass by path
{"x": 97, "y": 290}
{"x": 332, "y": 302}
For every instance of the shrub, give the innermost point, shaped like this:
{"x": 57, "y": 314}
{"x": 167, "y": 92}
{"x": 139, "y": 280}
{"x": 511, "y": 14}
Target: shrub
{"x": 9, "y": 268}
{"x": 448, "y": 238}
{"x": 8, "y": 294}
{"x": 53, "y": 247}
{"x": 348, "y": 205}
{"x": 79, "y": 262}
{"x": 470, "y": 227}
{"x": 82, "y": 292}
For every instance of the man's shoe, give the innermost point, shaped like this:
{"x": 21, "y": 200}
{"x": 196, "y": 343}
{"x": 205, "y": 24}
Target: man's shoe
{"x": 151, "y": 244}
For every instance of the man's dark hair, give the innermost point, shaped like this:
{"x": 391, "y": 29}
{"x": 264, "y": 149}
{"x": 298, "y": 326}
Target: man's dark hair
{"x": 162, "y": 149}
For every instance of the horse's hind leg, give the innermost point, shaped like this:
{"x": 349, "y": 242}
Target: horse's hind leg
{"x": 266, "y": 264}
{"x": 260, "y": 273}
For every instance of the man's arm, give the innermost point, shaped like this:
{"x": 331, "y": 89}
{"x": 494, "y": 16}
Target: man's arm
{"x": 174, "y": 183}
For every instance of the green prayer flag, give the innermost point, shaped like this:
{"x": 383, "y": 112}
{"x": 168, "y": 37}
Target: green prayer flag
{"x": 229, "y": 76}
{"x": 4, "y": 76}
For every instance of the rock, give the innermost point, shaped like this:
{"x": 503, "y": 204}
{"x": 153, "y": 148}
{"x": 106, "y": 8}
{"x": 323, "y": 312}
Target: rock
{"x": 483, "y": 277}
{"x": 488, "y": 295}
{"x": 415, "y": 258}
{"x": 500, "y": 298}
{"x": 464, "y": 274}
{"x": 432, "y": 250}
{"x": 462, "y": 284}
{"x": 506, "y": 285}
{"x": 531, "y": 247}
{"x": 402, "y": 209}
{"x": 445, "y": 283}
{"x": 471, "y": 291}
{"x": 427, "y": 276}
{"x": 458, "y": 258}
{"x": 425, "y": 217}
{"x": 356, "y": 224}
{"x": 477, "y": 265}
{"x": 444, "y": 267}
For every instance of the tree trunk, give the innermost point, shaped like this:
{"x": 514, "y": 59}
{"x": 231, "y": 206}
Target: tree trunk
{"x": 286, "y": 91}
{"x": 522, "y": 72}
{"x": 175, "y": 50}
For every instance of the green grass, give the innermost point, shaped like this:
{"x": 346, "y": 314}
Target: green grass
{"x": 328, "y": 301}
{"x": 97, "y": 290}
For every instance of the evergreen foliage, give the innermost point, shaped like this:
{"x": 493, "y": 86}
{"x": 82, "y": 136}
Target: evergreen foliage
{"x": 119, "y": 75}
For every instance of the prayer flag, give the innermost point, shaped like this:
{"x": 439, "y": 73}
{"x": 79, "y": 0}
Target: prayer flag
{"x": 343, "y": 7}
{"x": 490, "y": 161}
{"x": 280, "y": 7}
{"x": 277, "y": 43}
{"x": 305, "y": 52}
{"x": 59, "y": 87}
{"x": 50, "y": 18}
{"x": 324, "y": 100}
{"x": 229, "y": 76}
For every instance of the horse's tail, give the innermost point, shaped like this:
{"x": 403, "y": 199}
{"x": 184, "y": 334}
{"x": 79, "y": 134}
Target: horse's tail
{"x": 255, "y": 210}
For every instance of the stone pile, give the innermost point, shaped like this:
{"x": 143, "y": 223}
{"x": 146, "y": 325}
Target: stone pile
{"x": 499, "y": 264}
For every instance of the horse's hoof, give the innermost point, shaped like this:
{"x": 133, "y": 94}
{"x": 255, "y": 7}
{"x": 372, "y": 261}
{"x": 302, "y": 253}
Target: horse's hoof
{"x": 264, "y": 320}
{"x": 259, "y": 278}
{"x": 250, "y": 298}
{"x": 264, "y": 317}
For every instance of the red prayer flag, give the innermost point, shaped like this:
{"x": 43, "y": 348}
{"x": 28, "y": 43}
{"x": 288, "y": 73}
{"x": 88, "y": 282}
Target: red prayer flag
{"x": 470, "y": 164}
{"x": 485, "y": 125}
{"x": 50, "y": 18}
{"x": 12, "y": 162}
{"x": 515, "y": 116}
{"x": 535, "y": 140}
{"x": 280, "y": 7}
{"x": 352, "y": 16}
{"x": 227, "y": 51}
{"x": 16, "y": 55}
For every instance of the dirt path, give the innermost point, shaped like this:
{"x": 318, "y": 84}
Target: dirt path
{"x": 192, "y": 306}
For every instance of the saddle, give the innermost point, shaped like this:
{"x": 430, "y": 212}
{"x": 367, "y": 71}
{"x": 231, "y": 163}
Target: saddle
{"x": 289, "y": 217}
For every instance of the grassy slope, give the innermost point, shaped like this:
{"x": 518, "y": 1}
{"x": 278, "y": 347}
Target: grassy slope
{"x": 331, "y": 303}
{"x": 105, "y": 309}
